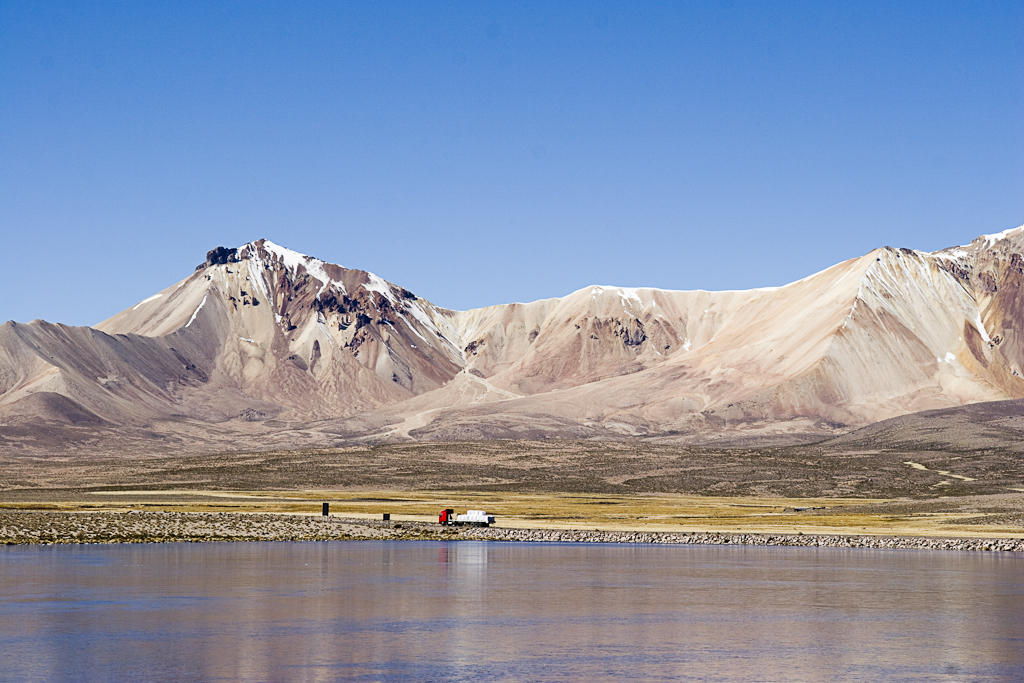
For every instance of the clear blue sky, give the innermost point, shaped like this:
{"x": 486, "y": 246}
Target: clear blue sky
{"x": 486, "y": 152}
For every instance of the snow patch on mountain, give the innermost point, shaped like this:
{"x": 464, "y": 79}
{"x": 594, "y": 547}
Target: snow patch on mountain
{"x": 379, "y": 285}
{"x": 980, "y": 326}
{"x": 991, "y": 240}
{"x": 951, "y": 254}
{"x": 196, "y": 312}
{"x": 148, "y": 299}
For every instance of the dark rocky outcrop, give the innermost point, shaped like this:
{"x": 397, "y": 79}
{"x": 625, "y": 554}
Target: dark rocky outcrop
{"x": 219, "y": 256}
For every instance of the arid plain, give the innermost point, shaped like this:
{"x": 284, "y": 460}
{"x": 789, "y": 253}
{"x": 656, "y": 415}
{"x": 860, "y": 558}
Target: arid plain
{"x": 833, "y": 487}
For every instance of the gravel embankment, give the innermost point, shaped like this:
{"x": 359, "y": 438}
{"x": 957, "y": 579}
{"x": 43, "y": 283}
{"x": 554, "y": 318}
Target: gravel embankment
{"x": 24, "y": 527}
{"x": 712, "y": 538}
{"x": 160, "y": 527}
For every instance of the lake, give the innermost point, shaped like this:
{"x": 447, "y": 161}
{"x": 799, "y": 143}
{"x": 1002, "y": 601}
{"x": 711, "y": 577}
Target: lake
{"x": 479, "y": 611}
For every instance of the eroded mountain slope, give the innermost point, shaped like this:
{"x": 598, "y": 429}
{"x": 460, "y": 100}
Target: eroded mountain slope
{"x": 892, "y": 332}
{"x": 267, "y": 336}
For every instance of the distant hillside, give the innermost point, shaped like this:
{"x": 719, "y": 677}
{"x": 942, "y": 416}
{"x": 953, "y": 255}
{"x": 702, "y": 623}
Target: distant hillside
{"x": 264, "y": 345}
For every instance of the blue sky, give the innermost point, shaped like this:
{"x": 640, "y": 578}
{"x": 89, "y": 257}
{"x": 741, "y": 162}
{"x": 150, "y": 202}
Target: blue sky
{"x": 485, "y": 152}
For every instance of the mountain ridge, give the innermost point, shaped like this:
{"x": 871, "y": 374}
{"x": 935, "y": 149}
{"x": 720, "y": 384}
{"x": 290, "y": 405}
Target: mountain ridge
{"x": 263, "y": 335}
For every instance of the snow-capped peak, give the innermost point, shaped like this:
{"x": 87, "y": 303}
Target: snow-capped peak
{"x": 982, "y": 242}
{"x": 991, "y": 240}
{"x": 291, "y": 260}
{"x": 317, "y": 269}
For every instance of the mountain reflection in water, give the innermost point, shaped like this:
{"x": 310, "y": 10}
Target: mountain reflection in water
{"x": 420, "y": 611}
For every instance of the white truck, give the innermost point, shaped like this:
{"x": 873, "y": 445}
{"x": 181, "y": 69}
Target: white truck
{"x": 471, "y": 518}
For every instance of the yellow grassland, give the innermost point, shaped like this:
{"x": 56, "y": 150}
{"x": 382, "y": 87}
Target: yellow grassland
{"x": 647, "y": 513}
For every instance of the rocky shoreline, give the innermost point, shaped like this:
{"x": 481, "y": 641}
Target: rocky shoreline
{"x": 48, "y": 528}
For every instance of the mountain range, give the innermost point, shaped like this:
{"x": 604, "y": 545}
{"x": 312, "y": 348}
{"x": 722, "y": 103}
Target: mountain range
{"x": 264, "y": 347}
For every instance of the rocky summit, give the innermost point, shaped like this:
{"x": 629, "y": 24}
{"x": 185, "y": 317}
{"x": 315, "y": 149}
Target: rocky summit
{"x": 263, "y": 346}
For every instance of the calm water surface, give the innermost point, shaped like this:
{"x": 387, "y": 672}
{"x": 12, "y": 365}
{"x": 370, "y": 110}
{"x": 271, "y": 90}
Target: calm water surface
{"x": 466, "y": 611}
